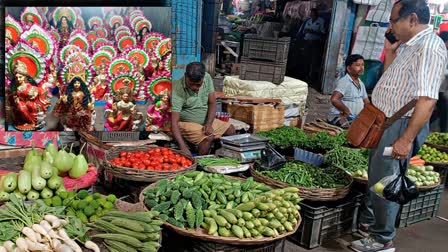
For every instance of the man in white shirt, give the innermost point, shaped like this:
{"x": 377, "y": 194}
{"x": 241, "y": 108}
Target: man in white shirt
{"x": 414, "y": 68}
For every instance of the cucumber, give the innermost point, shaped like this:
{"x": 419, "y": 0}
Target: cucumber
{"x": 24, "y": 181}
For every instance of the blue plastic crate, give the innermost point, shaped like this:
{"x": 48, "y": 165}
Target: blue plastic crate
{"x": 308, "y": 157}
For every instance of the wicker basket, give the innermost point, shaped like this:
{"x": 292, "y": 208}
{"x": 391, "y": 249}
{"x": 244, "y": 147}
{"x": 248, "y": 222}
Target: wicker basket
{"x": 430, "y": 187}
{"x": 200, "y": 233}
{"x": 12, "y": 159}
{"x": 139, "y": 175}
{"x": 438, "y": 147}
{"x": 314, "y": 194}
{"x": 360, "y": 180}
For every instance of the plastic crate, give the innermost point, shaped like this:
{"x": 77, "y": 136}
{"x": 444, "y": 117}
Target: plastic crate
{"x": 423, "y": 208}
{"x": 117, "y": 136}
{"x": 188, "y": 244}
{"x": 266, "y": 48}
{"x": 262, "y": 70}
{"x": 326, "y": 221}
{"x": 308, "y": 157}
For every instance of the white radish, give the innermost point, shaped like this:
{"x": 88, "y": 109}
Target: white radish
{"x": 63, "y": 248}
{"x": 55, "y": 243}
{"x": 9, "y": 245}
{"x": 41, "y": 230}
{"x": 69, "y": 241}
{"x": 28, "y": 232}
{"x": 93, "y": 246}
{"x": 21, "y": 244}
{"x": 63, "y": 222}
{"x": 35, "y": 246}
{"x": 46, "y": 225}
{"x": 55, "y": 222}
{"x": 3, "y": 249}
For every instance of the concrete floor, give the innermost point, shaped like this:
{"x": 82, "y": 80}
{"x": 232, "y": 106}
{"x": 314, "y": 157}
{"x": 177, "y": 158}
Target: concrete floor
{"x": 426, "y": 236}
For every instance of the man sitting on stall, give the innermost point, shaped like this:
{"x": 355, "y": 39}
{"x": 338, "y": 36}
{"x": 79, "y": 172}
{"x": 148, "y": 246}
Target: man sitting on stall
{"x": 194, "y": 110}
{"x": 350, "y": 94}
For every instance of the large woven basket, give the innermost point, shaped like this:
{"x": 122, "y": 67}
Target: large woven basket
{"x": 136, "y": 174}
{"x": 430, "y": 187}
{"x": 12, "y": 159}
{"x": 438, "y": 147}
{"x": 200, "y": 233}
{"x": 314, "y": 194}
{"x": 360, "y": 180}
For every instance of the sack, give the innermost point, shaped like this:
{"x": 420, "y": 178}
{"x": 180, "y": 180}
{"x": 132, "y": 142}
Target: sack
{"x": 369, "y": 41}
{"x": 397, "y": 188}
{"x": 367, "y": 2}
{"x": 271, "y": 159}
{"x": 366, "y": 130}
{"x": 381, "y": 12}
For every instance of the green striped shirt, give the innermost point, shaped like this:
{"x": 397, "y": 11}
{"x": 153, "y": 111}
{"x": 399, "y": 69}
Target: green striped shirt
{"x": 192, "y": 106}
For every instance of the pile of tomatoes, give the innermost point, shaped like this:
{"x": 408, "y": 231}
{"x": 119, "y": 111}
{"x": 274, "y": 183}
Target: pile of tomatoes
{"x": 155, "y": 159}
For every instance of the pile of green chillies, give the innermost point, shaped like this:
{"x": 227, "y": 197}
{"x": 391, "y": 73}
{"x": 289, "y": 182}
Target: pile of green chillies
{"x": 309, "y": 176}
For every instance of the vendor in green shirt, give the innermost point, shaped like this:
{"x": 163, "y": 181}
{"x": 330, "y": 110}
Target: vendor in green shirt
{"x": 194, "y": 109}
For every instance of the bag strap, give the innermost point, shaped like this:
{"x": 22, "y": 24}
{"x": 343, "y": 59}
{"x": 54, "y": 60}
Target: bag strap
{"x": 406, "y": 108}
{"x": 402, "y": 167}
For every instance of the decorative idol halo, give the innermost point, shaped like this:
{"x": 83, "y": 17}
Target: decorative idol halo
{"x": 13, "y": 28}
{"x": 136, "y": 13}
{"x": 140, "y": 55}
{"x": 91, "y": 36}
{"x": 67, "y": 50}
{"x": 99, "y": 57}
{"x": 102, "y": 32}
{"x": 55, "y": 35}
{"x": 99, "y": 42}
{"x": 122, "y": 28}
{"x": 167, "y": 62}
{"x": 158, "y": 84}
{"x": 76, "y": 69}
{"x": 109, "y": 49}
{"x": 121, "y": 34}
{"x": 135, "y": 20}
{"x": 122, "y": 80}
{"x": 119, "y": 66}
{"x": 33, "y": 14}
{"x": 115, "y": 19}
{"x": 78, "y": 31}
{"x": 152, "y": 42}
{"x": 79, "y": 56}
{"x": 126, "y": 42}
{"x": 142, "y": 24}
{"x": 68, "y": 12}
{"x": 80, "y": 41}
{"x": 34, "y": 61}
{"x": 39, "y": 39}
{"x": 80, "y": 23}
{"x": 95, "y": 20}
{"x": 163, "y": 47}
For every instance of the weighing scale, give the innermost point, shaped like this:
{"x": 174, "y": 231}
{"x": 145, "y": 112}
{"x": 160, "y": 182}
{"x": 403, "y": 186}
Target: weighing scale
{"x": 245, "y": 148}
